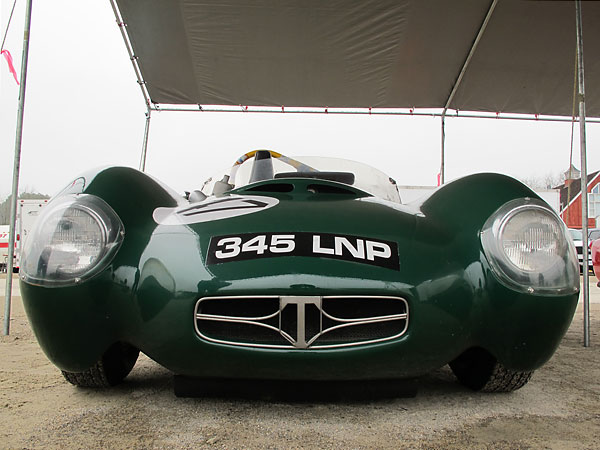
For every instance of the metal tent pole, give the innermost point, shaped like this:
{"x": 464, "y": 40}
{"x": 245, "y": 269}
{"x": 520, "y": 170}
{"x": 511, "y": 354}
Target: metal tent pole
{"x": 17, "y": 167}
{"x": 134, "y": 59}
{"x": 443, "y": 156}
{"x": 145, "y": 143}
{"x": 459, "y": 79}
{"x": 584, "y": 198}
{"x": 138, "y": 74}
{"x": 366, "y": 111}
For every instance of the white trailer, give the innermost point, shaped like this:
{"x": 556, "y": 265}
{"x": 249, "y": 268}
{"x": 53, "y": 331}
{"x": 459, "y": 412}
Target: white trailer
{"x": 27, "y": 214}
{"x": 4, "y": 230}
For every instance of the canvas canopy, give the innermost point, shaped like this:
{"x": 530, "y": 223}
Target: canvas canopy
{"x": 377, "y": 53}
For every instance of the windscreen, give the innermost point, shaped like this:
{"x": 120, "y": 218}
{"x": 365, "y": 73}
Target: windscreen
{"x": 366, "y": 178}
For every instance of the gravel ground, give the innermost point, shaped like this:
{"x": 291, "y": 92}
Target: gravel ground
{"x": 558, "y": 409}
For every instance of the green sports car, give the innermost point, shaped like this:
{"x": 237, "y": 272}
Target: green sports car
{"x": 299, "y": 269}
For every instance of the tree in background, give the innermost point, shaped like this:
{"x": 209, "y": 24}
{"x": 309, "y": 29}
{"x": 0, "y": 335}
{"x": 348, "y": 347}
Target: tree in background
{"x": 547, "y": 181}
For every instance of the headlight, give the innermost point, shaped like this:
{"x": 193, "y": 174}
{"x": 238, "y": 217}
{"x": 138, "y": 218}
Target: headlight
{"x": 528, "y": 249}
{"x": 74, "y": 238}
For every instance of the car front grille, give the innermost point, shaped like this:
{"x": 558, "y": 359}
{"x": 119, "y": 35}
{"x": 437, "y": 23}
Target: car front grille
{"x": 300, "y": 322}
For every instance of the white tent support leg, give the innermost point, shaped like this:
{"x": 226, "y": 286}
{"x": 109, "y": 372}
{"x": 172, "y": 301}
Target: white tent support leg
{"x": 458, "y": 81}
{"x": 133, "y": 58}
{"x": 442, "y": 178}
{"x": 584, "y": 198}
{"x": 145, "y": 143}
{"x": 17, "y": 168}
{"x": 138, "y": 74}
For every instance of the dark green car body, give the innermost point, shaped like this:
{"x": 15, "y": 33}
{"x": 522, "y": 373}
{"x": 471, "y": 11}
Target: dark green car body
{"x": 147, "y": 294}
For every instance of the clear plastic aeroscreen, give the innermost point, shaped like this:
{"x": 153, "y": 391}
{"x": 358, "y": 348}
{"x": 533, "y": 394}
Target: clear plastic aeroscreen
{"x": 366, "y": 178}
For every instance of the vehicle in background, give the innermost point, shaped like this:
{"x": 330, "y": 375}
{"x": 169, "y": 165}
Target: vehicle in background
{"x": 593, "y": 234}
{"x": 27, "y": 214}
{"x": 595, "y": 255}
{"x": 594, "y": 240}
{"x": 578, "y": 240}
{"x": 4, "y": 234}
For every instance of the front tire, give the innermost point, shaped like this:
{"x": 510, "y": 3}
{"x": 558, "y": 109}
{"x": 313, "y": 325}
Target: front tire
{"x": 110, "y": 370}
{"x": 479, "y": 370}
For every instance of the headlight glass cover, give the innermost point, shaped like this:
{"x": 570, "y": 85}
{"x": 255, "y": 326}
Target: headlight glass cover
{"x": 75, "y": 237}
{"x": 529, "y": 250}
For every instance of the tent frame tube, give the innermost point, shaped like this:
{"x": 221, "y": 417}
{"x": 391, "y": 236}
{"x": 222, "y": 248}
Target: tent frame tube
{"x": 17, "y": 169}
{"x": 465, "y": 66}
{"x": 584, "y": 185}
{"x": 140, "y": 80}
{"x": 371, "y": 112}
{"x": 136, "y": 68}
{"x": 145, "y": 142}
{"x": 457, "y": 84}
{"x": 442, "y": 177}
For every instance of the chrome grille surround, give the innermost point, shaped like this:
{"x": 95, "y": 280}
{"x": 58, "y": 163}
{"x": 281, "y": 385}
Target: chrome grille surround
{"x": 265, "y": 314}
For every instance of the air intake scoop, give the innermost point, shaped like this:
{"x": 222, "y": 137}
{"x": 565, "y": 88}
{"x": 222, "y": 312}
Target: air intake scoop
{"x": 308, "y": 186}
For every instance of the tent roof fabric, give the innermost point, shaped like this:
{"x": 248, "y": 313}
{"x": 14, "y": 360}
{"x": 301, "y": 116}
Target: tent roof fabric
{"x": 369, "y": 53}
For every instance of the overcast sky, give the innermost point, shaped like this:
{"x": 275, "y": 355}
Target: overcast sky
{"x": 84, "y": 109}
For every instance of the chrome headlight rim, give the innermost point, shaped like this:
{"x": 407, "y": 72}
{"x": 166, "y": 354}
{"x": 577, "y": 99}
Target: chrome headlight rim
{"x": 513, "y": 213}
{"x": 40, "y": 243}
{"x": 560, "y": 274}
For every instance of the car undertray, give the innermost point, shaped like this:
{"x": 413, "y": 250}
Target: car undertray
{"x": 294, "y": 390}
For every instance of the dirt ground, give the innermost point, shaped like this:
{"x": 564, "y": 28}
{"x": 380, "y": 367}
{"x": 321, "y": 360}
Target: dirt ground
{"x": 558, "y": 409}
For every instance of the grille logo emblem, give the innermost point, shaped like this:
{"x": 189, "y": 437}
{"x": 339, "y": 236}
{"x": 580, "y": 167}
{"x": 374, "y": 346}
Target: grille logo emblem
{"x": 301, "y": 303}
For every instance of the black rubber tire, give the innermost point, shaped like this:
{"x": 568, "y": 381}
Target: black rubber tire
{"x": 480, "y": 371}
{"x": 110, "y": 370}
